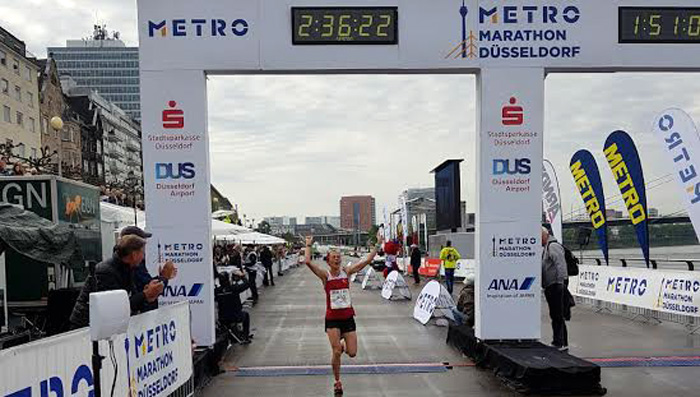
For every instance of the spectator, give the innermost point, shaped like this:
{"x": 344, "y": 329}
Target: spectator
{"x": 415, "y": 262}
{"x": 465, "y": 301}
{"x": 142, "y": 277}
{"x": 18, "y": 169}
{"x": 279, "y": 256}
{"x": 230, "y": 307}
{"x": 250, "y": 266}
{"x": 554, "y": 277}
{"x": 449, "y": 257}
{"x": 3, "y": 167}
{"x": 234, "y": 259}
{"x": 391, "y": 249}
{"x": 117, "y": 273}
{"x": 266, "y": 260}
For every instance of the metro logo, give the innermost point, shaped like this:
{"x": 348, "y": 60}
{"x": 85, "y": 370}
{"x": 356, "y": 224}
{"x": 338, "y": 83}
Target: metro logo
{"x": 198, "y": 27}
{"x": 513, "y": 14}
{"x": 624, "y": 181}
{"x": 588, "y": 195}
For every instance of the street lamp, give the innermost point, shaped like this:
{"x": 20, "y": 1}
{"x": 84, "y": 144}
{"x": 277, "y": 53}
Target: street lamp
{"x": 57, "y": 125}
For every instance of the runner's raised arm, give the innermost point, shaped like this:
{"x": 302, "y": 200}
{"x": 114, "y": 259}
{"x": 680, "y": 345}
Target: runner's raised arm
{"x": 320, "y": 273}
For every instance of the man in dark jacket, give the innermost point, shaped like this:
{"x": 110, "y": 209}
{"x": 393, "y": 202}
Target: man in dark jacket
{"x": 415, "y": 262}
{"x": 141, "y": 275}
{"x": 266, "y": 260}
{"x": 229, "y": 304}
{"x": 114, "y": 274}
{"x": 251, "y": 260}
{"x": 554, "y": 277}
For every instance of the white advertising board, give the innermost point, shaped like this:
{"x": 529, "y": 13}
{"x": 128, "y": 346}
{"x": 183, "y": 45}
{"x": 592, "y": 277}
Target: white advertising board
{"x": 389, "y": 284}
{"x": 226, "y": 36}
{"x": 177, "y": 186}
{"x": 154, "y": 358}
{"x": 509, "y": 171}
{"x": 425, "y": 304}
{"x": 676, "y": 292}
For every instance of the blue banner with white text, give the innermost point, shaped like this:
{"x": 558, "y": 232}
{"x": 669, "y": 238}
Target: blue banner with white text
{"x": 623, "y": 159}
{"x": 586, "y": 175}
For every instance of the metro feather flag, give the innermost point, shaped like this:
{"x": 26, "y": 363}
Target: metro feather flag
{"x": 584, "y": 169}
{"x": 681, "y": 143}
{"x": 623, "y": 159}
{"x": 551, "y": 199}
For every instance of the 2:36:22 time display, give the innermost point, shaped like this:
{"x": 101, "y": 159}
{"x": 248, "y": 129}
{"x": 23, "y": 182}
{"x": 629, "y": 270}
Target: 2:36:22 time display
{"x": 347, "y": 25}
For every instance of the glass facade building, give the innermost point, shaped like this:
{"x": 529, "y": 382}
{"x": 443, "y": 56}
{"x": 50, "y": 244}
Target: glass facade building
{"x": 107, "y": 66}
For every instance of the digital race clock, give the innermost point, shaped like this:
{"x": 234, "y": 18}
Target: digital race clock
{"x": 345, "y": 25}
{"x": 659, "y": 25}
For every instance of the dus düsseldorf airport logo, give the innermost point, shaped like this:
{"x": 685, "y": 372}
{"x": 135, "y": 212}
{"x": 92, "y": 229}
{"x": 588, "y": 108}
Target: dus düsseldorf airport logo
{"x": 198, "y": 27}
{"x": 546, "y": 32}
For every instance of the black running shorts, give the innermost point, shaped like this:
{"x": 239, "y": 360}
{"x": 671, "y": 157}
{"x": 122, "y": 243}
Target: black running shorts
{"x": 344, "y": 326}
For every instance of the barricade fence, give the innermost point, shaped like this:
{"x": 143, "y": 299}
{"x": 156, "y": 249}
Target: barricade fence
{"x": 154, "y": 358}
{"x": 659, "y": 295}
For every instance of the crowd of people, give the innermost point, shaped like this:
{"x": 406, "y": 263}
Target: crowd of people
{"x": 17, "y": 168}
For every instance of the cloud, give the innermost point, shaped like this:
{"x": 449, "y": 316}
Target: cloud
{"x": 292, "y": 145}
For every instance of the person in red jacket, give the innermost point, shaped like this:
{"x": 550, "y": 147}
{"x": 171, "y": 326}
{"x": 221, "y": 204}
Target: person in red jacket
{"x": 392, "y": 248}
{"x": 340, "y": 315}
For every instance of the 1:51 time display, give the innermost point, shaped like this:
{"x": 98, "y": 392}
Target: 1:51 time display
{"x": 659, "y": 25}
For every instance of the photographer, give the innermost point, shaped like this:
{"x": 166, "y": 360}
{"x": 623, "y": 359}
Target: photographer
{"x": 230, "y": 307}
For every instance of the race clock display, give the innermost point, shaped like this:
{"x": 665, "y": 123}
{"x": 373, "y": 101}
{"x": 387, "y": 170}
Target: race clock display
{"x": 345, "y": 25}
{"x": 659, "y": 25}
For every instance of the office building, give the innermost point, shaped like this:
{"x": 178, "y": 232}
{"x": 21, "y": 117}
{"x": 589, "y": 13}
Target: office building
{"x": 112, "y": 144}
{"x": 357, "y": 212}
{"x": 105, "y": 64}
{"x": 19, "y": 104}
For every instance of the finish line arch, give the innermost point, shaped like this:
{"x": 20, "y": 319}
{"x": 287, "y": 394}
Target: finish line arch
{"x": 511, "y": 46}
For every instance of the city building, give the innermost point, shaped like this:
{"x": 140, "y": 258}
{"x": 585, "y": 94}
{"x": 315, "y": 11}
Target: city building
{"x": 105, "y": 64}
{"x": 112, "y": 142}
{"x": 421, "y": 204}
{"x": 313, "y": 220}
{"x": 654, "y": 213}
{"x": 612, "y": 213}
{"x": 357, "y": 212}
{"x": 281, "y": 220}
{"x": 66, "y": 144}
{"x": 19, "y": 121}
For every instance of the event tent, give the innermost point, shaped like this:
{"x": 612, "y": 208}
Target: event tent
{"x": 222, "y": 228}
{"x": 253, "y": 238}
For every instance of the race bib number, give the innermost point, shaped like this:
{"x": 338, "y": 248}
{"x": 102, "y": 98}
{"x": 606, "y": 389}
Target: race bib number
{"x": 340, "y": 299}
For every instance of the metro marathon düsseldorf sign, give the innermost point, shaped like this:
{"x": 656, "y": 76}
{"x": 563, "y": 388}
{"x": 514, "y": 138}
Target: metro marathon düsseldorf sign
{"x": 520, "y": 31}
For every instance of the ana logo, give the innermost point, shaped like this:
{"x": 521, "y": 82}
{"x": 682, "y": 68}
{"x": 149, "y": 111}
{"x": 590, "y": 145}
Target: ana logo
{"x": 198, "y": 28}
{"x": 511, "y": 284}
{"x": 173, "y": 118}
{"x": 516, "y": 167}
{"x": 175, "y": 171}
{"x": 512, "y": 113}
{"x": 182, "y": 291}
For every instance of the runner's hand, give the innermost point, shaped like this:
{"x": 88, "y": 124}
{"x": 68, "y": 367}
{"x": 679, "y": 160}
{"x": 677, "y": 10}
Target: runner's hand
{"x": 168, "y": 271}
{"x": 380, "y": 237}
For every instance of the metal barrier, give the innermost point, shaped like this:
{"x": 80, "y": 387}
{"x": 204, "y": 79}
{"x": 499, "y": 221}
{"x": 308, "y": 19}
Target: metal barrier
{"x": 690, "y": 323}
{"x": 599, "y": 261}
{"x": 186, "y": 390}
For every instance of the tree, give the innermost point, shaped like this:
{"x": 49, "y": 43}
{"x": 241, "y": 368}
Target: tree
{"x": 372, "y": 234}
{"x": 264, "y": 227}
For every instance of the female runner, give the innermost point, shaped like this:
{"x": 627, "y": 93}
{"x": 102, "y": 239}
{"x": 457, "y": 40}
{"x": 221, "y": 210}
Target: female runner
{"x": 340, "y": 322}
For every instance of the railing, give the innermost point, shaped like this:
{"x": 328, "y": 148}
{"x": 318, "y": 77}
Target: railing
{"x": 625, "y": 262}
{"x": 185, "y": 390}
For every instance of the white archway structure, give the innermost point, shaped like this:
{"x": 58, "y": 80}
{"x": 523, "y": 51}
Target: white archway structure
{"x": 510, "y": 45}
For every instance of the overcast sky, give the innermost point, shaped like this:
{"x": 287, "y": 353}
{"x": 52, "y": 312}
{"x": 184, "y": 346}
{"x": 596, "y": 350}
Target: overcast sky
{"x": 293, "y": 145}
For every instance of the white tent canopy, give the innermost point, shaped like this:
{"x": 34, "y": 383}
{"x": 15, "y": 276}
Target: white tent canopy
{"x": 222, "y": 214}
{"x": 223, "y": 228}
{"x": 253, "y": 238}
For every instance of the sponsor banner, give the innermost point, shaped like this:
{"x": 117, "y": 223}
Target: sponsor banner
{"x": 584, "y": 169}
{"x": 430, "y": 267}
{"x": 31, "y": 194}
{"x": 509, "y": 204}
{"x": 624, "y": 162}
{"x": 154, "y": 358}
{"x": 676, "y": 292}
{"x": 681, "y": 143}
{"x": 78, "y": 205}
{"x": 551, "y": 199}
{"x": 177, "y": 189}
{"x": 389, "y": 284}
{"x": 425, "y": 304}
